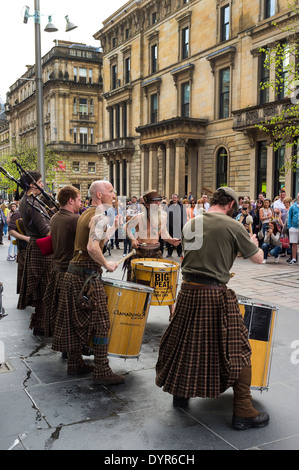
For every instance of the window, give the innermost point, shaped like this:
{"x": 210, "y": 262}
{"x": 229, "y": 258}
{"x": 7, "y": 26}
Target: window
{"x": 91, "y": 167}
{"x": 91, "y": 107}
{"x": 221, "y": 165}
{"x": 185, "y": 43}
{"x": 154, "y": 17}
{"x": 90, "y": 75}
{"x": 154, "y": 108}
{"x": 261, "y": 167}
{"x": 91, "y": 137}
{"x": 125, "y": 118}
{"x": 113, "y": 76}
{"x": 75, "y": 135}
{"x": 264, "y": 77}
{"x": 127, "y": 69}
{"x": 185, "y": 97}
{"x": 75, "y": 105}
{"x": 224, "y": 25}
{"x": 76, "y": 167}
{"x": 83, "y": 136}
{"x": 269, "y": 8}
{"x": 82, "y": 75}
{"x": 282, "y": 70}
{"x": 279, "y": 170}
{"x": 83, "y": 107}
{"x": 154, "y": 58}
{"x": 224, "y": 79}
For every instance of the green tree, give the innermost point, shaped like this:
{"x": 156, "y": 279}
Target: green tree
{"x": 282, "y": 60}
{"x": 26, "y": 155}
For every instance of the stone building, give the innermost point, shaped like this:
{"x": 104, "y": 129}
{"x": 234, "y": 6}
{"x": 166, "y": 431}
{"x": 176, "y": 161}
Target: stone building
{"x": 181, "y": 97}
{"x": 72, "y": 106}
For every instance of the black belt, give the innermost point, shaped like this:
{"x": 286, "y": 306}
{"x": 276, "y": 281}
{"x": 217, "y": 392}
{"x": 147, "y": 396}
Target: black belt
{"x": 202, "y": 279}
{"x": 81, "y": 271}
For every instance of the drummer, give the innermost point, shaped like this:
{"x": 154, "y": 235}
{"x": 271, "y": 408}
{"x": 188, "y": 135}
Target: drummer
{"x": 145, "y": 229}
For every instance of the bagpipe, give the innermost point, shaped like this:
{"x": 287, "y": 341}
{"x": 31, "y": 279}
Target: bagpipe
{"x": 24, "y": 184}
{"x": 26, "y": 177}
{"x": 45, "y": 244}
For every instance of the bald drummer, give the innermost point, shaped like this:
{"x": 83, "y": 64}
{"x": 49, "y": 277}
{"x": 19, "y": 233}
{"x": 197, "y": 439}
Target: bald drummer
{"x": 149, "y": 225}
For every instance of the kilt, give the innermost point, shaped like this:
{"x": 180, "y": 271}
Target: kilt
{"x": 51, "y": 299}
{"x": 21, "y": 263}
{"x": 74, "y": 325}
{"x": 36, "y": 272}
{"x": 205, "y": 346}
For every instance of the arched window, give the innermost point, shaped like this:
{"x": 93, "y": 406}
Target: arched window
{"x": 221, "y": 167}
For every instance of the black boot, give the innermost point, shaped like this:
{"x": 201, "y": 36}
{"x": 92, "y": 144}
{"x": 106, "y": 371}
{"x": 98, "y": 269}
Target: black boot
{"x": 180, "y": 402}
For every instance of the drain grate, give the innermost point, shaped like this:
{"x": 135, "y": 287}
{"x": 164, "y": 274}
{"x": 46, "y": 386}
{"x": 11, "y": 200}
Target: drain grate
{"x": 5, "y": 367}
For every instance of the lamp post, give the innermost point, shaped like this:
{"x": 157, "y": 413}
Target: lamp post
{"x": 39, "y": 80}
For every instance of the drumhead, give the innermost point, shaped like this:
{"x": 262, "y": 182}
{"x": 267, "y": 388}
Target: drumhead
{"x": 155, "y": 264}
{"x": 127, "y": 285}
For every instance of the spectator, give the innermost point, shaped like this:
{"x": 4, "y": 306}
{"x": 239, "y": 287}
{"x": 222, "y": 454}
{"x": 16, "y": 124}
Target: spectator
{"x": 245, "y": 216}
{"x": 176, "y": 221}
{"x": 279, "y": 204}
{"x": 199, "y": 209}
{"x": 112, "y": 213}
{"x": 272, "y": 242}
{"x": 257, "y": 225}
{"x": 2, "y": 223}
{"x": 6, "y": 211}
{"x": 206, "y": 203}
{"x": 293, "y": 224}
{"x": 266, "y": 214}
{"x": 12, "y": 249}
{"x": 287, "y": 203}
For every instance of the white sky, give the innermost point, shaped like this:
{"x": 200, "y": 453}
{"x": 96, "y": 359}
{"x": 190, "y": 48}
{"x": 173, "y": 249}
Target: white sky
{"x": 17, "y": 43}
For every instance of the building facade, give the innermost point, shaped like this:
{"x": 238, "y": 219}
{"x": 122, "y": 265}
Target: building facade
{"x": 72, "y": 106}
{"x": 182, "y": 98}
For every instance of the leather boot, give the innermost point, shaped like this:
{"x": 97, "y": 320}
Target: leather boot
{"x": 245, "y": 416}
{"x": 102, "y": 373}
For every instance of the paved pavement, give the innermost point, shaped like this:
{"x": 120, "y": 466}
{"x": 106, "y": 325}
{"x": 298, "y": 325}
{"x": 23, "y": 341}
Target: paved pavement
{"x": 42, "y": 408}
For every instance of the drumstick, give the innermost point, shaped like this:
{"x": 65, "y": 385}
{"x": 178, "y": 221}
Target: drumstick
{"x": 133, "y": 252}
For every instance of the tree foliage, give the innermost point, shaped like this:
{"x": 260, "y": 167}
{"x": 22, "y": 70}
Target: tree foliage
{"x": 26, "y": 155}
{"x": 282, "y": 63}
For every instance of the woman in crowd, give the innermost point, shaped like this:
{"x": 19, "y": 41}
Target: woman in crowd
{"x": 266, "y": 214}
{"x": 272, "y": 242}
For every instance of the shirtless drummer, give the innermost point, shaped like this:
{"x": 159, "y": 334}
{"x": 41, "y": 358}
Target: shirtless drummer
{"x": 145, "y": 229}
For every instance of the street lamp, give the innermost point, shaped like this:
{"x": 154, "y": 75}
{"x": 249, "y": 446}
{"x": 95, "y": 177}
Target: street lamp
{"x": 38, "y": 79}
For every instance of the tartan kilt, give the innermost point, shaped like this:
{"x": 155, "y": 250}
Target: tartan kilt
{"x": 74, "y": 324}
{"x": 51, "y": 300}
{"x": 36, "y": 272}
{"x": 205, "y": 346}
{"x": 20, "y": 268}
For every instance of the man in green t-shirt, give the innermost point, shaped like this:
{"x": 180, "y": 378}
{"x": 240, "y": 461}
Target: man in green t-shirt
{"x": 205, "y": 350}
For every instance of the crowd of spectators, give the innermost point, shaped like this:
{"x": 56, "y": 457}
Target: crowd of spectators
{"x": 275, "y": 223}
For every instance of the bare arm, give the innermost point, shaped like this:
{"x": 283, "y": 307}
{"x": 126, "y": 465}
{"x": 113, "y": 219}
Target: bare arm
{"x": 259, "y": 256}
{"x": 97, "y": 233}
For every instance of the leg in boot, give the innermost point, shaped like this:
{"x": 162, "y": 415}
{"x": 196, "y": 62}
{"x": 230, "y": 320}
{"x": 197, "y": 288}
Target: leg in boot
{"x": 103, "y": 374}
{"x": 244, "y": 414}
{"x": 76, "y": 365}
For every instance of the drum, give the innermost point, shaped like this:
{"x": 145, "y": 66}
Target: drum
{"x": 159, "y": 274}
{"x": 260, "y": 320}
{"x": 128, "y": 306}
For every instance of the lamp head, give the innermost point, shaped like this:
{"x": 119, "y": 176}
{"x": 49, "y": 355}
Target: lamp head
{"x": 69, "y": 26}
{"x": 50, "y": 28}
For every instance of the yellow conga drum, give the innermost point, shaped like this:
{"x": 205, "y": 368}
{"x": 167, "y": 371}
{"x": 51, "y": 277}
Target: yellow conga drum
{"x": 159, "y": 274}
{"x": 128, "y": 306}
{"x": 260, "y": 320}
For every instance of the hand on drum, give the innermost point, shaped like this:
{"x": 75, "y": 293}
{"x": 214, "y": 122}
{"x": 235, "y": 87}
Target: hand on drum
{"x": 111, "y": 266}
